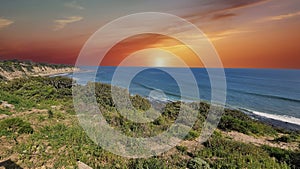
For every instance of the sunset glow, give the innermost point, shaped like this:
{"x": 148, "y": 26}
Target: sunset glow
{"x": 168, "y": 49}
{"x": 246, "y": 34}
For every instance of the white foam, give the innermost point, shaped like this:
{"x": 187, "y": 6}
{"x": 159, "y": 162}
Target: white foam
{"x": 283, "y": 118}
{"x": 59, "y": 74}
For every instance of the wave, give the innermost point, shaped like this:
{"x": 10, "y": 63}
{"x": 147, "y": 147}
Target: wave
{"x": 267, "y": 96}
{"x": 283, "y": 118}
{"x": 176, "y": 97}
{"x": 152, "y": 88}
{"x": 60, "y": 74}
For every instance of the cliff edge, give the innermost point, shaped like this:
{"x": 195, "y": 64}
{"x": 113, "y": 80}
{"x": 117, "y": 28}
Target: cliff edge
{"x": 12, "y": 69}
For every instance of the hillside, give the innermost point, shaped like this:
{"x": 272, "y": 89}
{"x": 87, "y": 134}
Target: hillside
{"x": 12, "y": 69}
{"x": 39, "y": 129}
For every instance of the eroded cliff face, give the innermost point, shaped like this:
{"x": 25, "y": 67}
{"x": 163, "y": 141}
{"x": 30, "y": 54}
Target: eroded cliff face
{"x": 14, "y": 69}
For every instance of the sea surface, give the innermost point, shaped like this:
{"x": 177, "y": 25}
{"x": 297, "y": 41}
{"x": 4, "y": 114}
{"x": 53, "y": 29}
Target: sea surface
{"x": 270, "y": 93}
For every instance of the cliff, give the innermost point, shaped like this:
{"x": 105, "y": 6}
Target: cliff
{"x": 15, "y": 69}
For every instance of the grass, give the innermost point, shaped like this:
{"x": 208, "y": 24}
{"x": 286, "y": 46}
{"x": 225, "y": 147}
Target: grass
{"x": 224, "y": 153}
{"x": 5, "y": 111}
{"x": 53, "y": 137}
{"x": 14, "y": 126}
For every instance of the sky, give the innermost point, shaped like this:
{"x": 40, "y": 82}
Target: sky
{"x": 245, "y": 33}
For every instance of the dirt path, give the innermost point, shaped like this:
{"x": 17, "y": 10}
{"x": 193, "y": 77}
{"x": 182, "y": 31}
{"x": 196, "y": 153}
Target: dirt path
{"x": 259, "y": 141}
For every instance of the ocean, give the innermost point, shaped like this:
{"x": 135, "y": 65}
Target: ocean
{"x": 270, "y": 93}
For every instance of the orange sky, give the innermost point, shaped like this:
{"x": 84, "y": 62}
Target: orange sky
{"x": 148, "y": 41}
{"x": 246, "y": 34}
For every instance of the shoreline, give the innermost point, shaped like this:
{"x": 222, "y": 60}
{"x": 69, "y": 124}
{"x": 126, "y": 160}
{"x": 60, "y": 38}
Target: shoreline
{"x": 60, "y": 73}
{"x": 275, "y": 122}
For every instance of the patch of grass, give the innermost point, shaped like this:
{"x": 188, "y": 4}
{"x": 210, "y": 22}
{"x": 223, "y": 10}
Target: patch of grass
{"x": 284, "y": 156}
{"x": 5, "y": 111}
{"x": 14, "y": 126}
{"x": 223, "y": 153}
{"x": 192, "y": 135}
{"x": 19, "y": 102}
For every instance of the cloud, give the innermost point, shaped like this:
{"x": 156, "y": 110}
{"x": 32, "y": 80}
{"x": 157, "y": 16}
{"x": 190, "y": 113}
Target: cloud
{"x": 74, "y": 5}
{"x": 226, "y": 34}
{"x": 234, "y": 4}
{"x": 219, "y": 8}
{"x": 223, "y": 16}
{"x": 61, "y": 23}
{"x": 281, "y": 17}
{"x": 5, "y": 22}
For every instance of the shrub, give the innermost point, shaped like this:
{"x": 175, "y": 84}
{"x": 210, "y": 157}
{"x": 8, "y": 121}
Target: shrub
{"x": 238, "y": 121}
{"x": 182, "y": 149}
{"x": 285, "y": 139}
{"x": 192, "y": 135}
{"x": 284, "y": 156}
{"x": 151, "y": 163}
{"x": 197, "y": 163}
{"x": 140, "y": 103}
{"x": 50, "y": 114}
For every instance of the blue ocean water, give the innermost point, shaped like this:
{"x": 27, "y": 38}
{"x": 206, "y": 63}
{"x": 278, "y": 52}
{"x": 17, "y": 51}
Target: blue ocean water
{"x": 273, "y": 93}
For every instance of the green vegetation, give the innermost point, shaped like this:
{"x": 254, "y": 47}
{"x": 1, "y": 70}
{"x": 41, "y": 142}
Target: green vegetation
{"x": 224, "y": 153}
{"x": 14, "y": 126}
{"x": 197, "y": 163}
{"x": 286, "y": 156}
{"x": 238, "y": 121}
{"x": 45, "y": 130}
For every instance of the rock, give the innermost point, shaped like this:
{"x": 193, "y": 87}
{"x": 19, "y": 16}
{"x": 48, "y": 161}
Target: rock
{"x": 48, "y": 149}
{"x": 7, "y": 105}
{"x": 3, "y": 116}
{"x": 81, "y": 165}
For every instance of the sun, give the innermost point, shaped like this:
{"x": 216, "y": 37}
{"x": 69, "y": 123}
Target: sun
{"x": 153, "y": 57}
{"x": 151, "y": 50}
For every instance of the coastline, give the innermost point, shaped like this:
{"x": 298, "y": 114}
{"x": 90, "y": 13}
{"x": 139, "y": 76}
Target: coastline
{"x": 49, "y": 113}
{"x": 60, "y": 73}
{"x": 274, "y": 122}
{"x": 270, "y": 119}
{"x": 277, "y": 123}
{"x": 13, "y": 69}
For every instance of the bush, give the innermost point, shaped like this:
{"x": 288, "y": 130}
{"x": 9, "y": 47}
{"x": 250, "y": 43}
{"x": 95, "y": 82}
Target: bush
{"x": 151, "y": 163}
{"x": 286, "y": 139}
{"x": 182, "y": 149}
{"x": 50, "y": 114}
{"x": 287, "y": 156}
{"x": 192, "y": 135}
{"x": 238, "y": 121}
{"x": 197, "y": 163}
{"x": 140, "y": 103}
